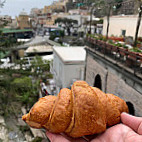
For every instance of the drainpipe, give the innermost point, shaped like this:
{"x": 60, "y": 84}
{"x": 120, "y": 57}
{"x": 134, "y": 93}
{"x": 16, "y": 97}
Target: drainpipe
{"x": 82, "y": 74}
{"x": 106, "y": 81}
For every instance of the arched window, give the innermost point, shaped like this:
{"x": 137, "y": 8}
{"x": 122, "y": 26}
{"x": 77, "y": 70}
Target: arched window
{"x": 98, "y": 82}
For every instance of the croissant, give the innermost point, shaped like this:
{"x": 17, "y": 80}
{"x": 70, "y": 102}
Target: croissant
{"x": 83, "y": 110}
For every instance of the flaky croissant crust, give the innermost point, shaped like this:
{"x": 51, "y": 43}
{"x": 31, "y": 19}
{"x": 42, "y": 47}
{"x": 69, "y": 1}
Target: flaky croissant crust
{"x": 83, "y": 110}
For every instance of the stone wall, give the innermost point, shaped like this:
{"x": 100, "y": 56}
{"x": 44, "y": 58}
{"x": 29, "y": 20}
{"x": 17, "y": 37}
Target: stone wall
{"x": 92, "y": 69}
{"x": 113, "y": 82}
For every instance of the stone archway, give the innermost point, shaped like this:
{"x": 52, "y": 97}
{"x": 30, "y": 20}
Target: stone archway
{"x": 98, "y": 82}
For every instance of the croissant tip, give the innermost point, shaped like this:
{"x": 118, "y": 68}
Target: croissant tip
{"x": 24, "y": 117}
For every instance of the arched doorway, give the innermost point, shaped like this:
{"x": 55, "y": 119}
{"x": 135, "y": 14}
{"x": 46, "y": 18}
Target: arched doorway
{"x": 98, "y": 82}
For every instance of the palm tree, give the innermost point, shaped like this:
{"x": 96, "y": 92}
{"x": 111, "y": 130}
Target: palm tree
{"x": 139, "y": 20}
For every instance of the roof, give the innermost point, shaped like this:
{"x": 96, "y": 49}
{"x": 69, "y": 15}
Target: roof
{"x": 122, "y": 16}
{"x": 15, "y": 30}
{"x": 39, "y": 49}
{"x": 70, "y": 54}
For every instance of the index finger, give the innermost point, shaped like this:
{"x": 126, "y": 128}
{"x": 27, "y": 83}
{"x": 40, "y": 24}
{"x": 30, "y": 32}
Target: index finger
{"x": 133, "y": 122}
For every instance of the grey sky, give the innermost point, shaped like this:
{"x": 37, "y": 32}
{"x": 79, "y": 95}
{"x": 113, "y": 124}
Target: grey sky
{"x": 14, "y": 7}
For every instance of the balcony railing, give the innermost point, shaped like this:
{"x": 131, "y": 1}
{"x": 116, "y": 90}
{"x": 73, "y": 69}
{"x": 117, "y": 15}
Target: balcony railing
{"x": 129, "y": 59}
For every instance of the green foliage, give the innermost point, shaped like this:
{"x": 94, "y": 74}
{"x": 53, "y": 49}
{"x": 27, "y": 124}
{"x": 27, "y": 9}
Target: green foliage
{"x": 8, "y": 41}
{"x": 5, "y": 95}
{"x": 101, "y": 37}
{"x": 24, "y": 129}
{"x": 100, "y": 21}
{"x": 125, "y": 46}
{"x": 40, "y": 65}
{"x": 16, "y": 90}
{"x": 26, "y": 92}
{"x": 56, "y": 33}
{"x": 52, "y": 36}
{"x": 37, "y": 139}
{"x": 66, "y": 21}
{"x": 136, "y": 50}
{"x": 119, "y": 44}
{"x": 21, "y": 83}
{"x": 110, "y": 41}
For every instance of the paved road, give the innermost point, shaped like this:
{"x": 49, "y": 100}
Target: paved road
{"x": 38, "y": 40}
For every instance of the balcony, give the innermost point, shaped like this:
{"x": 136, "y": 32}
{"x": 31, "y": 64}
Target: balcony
{"x": 130, "y": 60}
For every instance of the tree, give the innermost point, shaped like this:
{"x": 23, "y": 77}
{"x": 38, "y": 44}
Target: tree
{"x": 26, "y": 91}
{"x": 139, "y": 21}
{"x": 2, "y": 22}
{"x": 68, "y": 23}
{"x": 2, "y": 3}
{"x": 94, "y": 9}
{"x": 5, "y": 41}
{"x": 39, "y": 65}
{"x": 103, "y": 8}
{"x": 16, "y": 89}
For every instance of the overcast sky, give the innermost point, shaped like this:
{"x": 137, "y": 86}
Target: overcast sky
{"x": 14, "y": 7}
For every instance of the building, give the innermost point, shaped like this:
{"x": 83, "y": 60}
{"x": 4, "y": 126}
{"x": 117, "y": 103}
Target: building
{"x": 18, "y": 33}
{"x": 57, "y": 6}
{"x": 13, "y": 24}
{"x": 39, "y": 50}
{"x": 5, "y": 21}
{"x": 113, "y": 76}
{"x": 68, "y": 65}
{"x": 52, "y": 17}
{"x": 124, "y": 25}
{"x": 6, "y": 18}
{"x": 35, "y": 11}
{"x": 23, "y": 21}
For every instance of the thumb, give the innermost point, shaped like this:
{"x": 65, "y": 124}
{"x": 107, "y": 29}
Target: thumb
{"x": 133, "y": 122}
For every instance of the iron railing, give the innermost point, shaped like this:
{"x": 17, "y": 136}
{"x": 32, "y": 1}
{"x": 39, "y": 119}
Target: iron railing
{"x": 129, "y": 59}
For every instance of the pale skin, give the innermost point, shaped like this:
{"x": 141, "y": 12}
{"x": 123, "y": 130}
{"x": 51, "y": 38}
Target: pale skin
{"x": 130, "y": 130}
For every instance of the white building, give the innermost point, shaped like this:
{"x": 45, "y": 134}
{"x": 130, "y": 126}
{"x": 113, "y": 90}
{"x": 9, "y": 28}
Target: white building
{"x": 122, "y": 25}
{"x": 80, "y": 18}
{"x": 68, "y": 65}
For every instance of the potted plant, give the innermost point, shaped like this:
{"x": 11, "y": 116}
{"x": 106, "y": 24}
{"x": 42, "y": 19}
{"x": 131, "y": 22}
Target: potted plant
{"x": 135, "y": 53}
{"x": 123, "y": 50}
{"x": 109, "y": 45}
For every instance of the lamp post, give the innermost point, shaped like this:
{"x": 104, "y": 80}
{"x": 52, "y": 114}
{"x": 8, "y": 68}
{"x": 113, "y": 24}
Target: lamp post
{"x": 91, "y": 12}
{"x": 90, "y": 20}
{"x": 108, "y": 17}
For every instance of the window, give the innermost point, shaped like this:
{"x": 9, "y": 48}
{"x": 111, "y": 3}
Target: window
{"x": 123, "y": 32}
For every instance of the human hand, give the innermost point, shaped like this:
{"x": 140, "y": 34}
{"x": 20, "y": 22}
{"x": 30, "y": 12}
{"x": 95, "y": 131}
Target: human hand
{"x": 129, "y": 131}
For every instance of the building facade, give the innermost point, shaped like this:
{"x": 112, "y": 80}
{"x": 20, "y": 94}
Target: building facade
{"x": 68, "y": 65}
{"x": 23, "y": 21}
{"x": 124, "y": 25}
